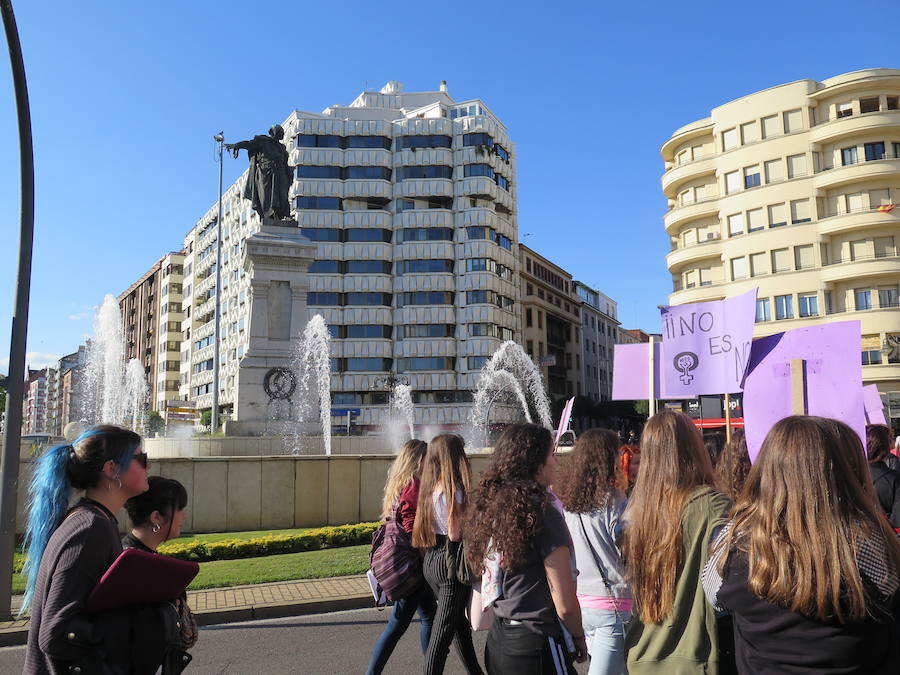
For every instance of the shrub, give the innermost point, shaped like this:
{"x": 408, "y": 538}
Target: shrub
{"x": 311, "y": 540}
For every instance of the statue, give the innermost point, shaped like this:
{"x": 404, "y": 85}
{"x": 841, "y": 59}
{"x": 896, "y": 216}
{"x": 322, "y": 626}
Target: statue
{"x": 270, "y": 177}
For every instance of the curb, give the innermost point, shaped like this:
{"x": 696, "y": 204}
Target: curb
{"x": 17, "y": 635}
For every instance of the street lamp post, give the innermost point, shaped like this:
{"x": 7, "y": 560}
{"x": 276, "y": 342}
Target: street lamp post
{"x": 390, "y": 381}
{"x": 9, "y": 462}
{"x": 214, "y": 418}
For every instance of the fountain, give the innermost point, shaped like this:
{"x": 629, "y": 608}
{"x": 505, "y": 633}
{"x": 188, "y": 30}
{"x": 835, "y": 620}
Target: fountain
{"x": 399, "y": 425}
{"x": 112, "y": 393}
{"x": 509, "y": 373}
{"x": 312, "y": 366}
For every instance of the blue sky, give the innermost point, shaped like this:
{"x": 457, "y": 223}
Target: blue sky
{"x": 125, "y": 98}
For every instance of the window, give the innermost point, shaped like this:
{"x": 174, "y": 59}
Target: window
{"x": 770, "y": 126}
{"x": 867, "y": 105}
{"x": 470, "y": 170}
{"x": 756, "y": 220}
{"x": 367, "y": 234}
{"x": 862, "y": 299}
{"x": 729, "y": 139}
{"x": 884, "y": 247}
{"x": 488, "y": 297}
{"x": 871, "y": 357}
{"x": 735, "y": 224}
{"x": 793, "y": 121}
{"x": 528, "y": 317}
{"x": 888, "y": 297}
{"x": 859, "y": 249}
{"x": 478, "y": 139}
{"x": 774, "y": 171}
{"x": 777, "y": 215}
{"x": 751, "y": 176}
{"x": 365, "y": 365}
{"x": 781, "y": 260}
{"x": 895, "y": 149}
{"x": 803, "y": 257}
{"x": 796, "y": 166}
{"x": 893, "y": 102}
{"x": 732, "y": 182}
{"x": 427, "y": 298}
{"x": 323, "y": 299}
{"x": 319, "y": 172}
{"x": 477, "y": 362}
{"x": 427, "y": 330}
{"x": 763, "y": 311}
{"x": 749, "y": 132}
{"x": 784, "y": 307}
{"x": 415, "y": 172}
{"x": 874, "y": 150}
{"x": 325, "y": 267}
{"x": 314, "y": 141}
{"x": 758, "y": 264}
{"x": 686, "y": 197}
{"x": 367, "y": 267}
{"x": 320, "y": 203}
{"x": 689, "y": 237}
{"x": 855, "y": 202}
{"x": 367, "y": 172}
{"x": 502, "y": 181}
{"x": 848, "y": 156}
{"x": 844, "y": 110}
{"x": 879, "y": 197}
{"x": 367, "y": 331}
{"x": 490, "y": 330}
{"x": 382, "y": 142}
{"x": 809, "y": 304}
{"x": 738, "y": 268}
{"x": 424, "y": 142}
{"x": 439, "y": 202}
{"x": 425, "y": 234}
{"x": 800, "y": 211}
{"x": 425, "y": 266}
{"x": 426, "y": 363}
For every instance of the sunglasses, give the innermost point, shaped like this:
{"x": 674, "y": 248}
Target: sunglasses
{"x": 141, "y": 458}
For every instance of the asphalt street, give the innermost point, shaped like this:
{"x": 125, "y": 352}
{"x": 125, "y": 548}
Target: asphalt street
{"x": 339, "y": 643}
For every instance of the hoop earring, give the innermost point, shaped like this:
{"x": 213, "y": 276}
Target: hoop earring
{"x": 155, "y": 528}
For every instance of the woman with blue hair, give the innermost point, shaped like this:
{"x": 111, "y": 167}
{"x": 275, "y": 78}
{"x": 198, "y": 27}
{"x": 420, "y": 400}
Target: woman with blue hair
{"x": 69, "y": 549}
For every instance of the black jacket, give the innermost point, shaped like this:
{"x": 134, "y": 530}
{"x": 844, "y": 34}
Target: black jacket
{"x": 887, "y": 489}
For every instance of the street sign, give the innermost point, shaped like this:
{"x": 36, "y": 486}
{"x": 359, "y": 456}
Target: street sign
{"x": 340, "y": 412}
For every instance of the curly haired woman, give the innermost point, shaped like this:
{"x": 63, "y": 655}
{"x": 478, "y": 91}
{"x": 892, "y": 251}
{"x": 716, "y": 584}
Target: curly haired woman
{"x": 511, "y": 515}
{"x": 588, "y": 486}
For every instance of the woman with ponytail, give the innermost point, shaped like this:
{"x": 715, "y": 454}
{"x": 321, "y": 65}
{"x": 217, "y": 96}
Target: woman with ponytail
{"x": 68, "y": 550}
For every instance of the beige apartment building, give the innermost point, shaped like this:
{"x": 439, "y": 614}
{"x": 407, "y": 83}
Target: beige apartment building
{"x": 793, "y": 190}
{"x": 551, "y": 322}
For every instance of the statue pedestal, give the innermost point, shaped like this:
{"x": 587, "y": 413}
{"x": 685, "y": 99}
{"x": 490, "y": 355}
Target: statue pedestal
{"x": 277, "y": 259}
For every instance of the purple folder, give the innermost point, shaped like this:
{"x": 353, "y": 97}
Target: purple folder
{"x": 138, "y": 578}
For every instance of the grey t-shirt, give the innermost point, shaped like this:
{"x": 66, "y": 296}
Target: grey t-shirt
{"x": 526, "y": 594}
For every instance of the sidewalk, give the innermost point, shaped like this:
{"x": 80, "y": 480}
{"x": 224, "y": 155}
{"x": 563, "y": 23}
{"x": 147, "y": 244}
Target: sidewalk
{"x": 244, "y": 603}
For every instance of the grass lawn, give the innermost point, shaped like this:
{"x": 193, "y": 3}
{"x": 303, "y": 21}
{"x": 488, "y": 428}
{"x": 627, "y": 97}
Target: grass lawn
{"x": 332, "y": 562}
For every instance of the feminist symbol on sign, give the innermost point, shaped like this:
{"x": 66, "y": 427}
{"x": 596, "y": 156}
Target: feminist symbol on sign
{"x": 686, "y": 362}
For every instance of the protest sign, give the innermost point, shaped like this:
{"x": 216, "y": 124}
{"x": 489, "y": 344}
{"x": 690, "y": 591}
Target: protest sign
{"x": 831, "y": 385}
{"x": 563, "y": 426}
{"x": 873, "y": 404}
{"x": 706, "y": 345}
{"x": 631, "y": 373}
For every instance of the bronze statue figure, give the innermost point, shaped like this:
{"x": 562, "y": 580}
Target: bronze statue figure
{"x": 270, "y": 177}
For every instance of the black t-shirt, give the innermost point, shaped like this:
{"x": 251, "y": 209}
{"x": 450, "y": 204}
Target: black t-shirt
{"x": 526, "y": 593}
{"x": 772, "y": 639}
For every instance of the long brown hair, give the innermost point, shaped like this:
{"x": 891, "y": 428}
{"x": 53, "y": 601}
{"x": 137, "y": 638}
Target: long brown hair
{"x": 407, "y": 466}
{"x": 674, "y": 463}
{"x": 878, "y": 442}
{"x": 445, "y": 468}
{"x": 591, "y": 474}
{"x": 734, "y": 464}
{"x": 807, "y": 507}
{"x": 509, "y": 501}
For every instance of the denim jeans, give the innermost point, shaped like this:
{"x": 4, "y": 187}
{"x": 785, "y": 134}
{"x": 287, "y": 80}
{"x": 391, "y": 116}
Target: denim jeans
{"x": 421, "y": 599}
{"x": 605, "y": 636}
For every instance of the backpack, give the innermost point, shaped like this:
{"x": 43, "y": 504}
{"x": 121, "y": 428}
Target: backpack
{"x": 395, "y": 563}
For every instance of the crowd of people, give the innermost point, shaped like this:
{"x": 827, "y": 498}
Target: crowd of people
{"x": 670, "y": 554}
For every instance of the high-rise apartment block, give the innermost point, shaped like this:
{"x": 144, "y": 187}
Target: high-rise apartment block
{"x": 599, "y": 329}
{"x": 410, "y": 200}
{"x": 795, "y": 190}
{"x": 34, "y": 413}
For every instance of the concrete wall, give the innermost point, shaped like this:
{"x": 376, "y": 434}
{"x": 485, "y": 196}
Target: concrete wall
{"x": 262, "y": 493}
{"x": 257, "y": 446}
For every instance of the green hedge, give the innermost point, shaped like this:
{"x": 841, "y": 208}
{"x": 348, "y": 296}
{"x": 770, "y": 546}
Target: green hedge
{"x": 312, "y": 540}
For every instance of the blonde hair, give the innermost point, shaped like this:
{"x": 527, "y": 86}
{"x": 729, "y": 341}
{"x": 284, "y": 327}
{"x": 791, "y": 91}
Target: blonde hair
{"x": 445, "y": 468}
{"x": 674, "y": 463}
{"x": 807, "y": 508}
{"x": 407, "y": 466}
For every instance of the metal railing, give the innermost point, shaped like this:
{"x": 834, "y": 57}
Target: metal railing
{"x": 857, "y": 160}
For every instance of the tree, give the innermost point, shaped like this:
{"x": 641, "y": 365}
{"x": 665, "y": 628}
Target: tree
{"x": 155, "y": 423}
{"x": 206, "y": 419}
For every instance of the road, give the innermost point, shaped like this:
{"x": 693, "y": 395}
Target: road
{"x": 338, "y": 643}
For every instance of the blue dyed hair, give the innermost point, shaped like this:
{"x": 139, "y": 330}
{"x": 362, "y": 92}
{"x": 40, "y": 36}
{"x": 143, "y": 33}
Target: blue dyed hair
{"x": 56, "y": 472}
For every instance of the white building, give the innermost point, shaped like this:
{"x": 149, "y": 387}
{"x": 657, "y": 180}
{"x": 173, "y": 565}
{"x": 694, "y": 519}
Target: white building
{"x": 599, "y": 329}
{"x": 410, "y": 199}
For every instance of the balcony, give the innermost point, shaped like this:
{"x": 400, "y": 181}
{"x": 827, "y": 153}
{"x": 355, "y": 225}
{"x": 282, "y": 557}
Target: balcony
{"x": 858, "y": 219}
{"x": 853, "y": 125}
{"x": 682, "y": 214}
{"x": 860, "y": 171}
{"x": 711, "y": 248}
{"x": 677, "y": 175}
{"x": 422, "y": 188}
{"x": 861, "y": 268}
{"x": 369, "y": 187}
{"x": 713, "y": 291}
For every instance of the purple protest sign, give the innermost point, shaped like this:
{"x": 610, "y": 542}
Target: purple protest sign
{"x": 706, "y": 345}
{"x": 873, "y": 405}
{"x": 631, "y": 372}
{"x": 563, "y": 426}
{"x": 833, "y": 378}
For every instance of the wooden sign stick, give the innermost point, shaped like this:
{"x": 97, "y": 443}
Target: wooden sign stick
{"x": 798, "y": 387}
